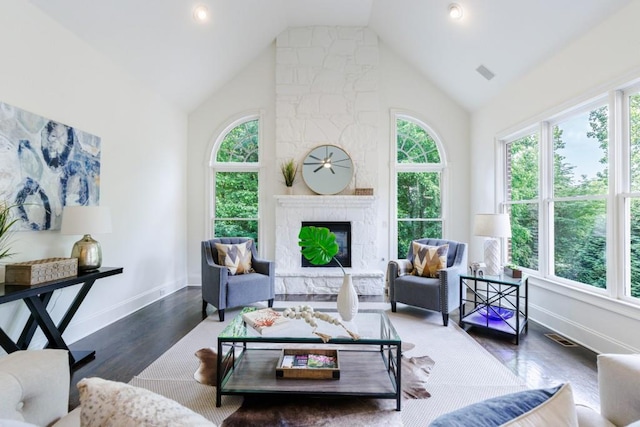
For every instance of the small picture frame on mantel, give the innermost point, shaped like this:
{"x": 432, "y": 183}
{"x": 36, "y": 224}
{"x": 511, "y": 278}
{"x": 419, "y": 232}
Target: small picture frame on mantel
{"x": 364, "y": 192}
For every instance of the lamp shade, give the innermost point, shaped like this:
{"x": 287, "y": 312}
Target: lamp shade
{"x": 86, "y": 220}
{"x": 492, "y": 225}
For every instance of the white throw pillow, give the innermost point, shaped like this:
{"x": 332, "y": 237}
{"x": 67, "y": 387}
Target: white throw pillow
{"x": 112, "y": 404}
{"x": 558, "y": 410}
{"x": 529, "y": 408}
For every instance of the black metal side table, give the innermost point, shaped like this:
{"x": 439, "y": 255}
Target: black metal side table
{"x": 499, "y": 303}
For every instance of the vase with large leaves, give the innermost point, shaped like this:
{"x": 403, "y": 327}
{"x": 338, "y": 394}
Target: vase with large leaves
{"x": 319, "y": 247}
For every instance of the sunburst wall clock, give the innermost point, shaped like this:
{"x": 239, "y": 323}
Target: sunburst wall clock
{"x": 327, "y": 169}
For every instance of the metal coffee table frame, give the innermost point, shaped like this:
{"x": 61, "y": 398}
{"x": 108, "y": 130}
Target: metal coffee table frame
{"x": 370, "y": 367}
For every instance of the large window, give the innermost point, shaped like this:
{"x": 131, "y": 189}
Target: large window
{"x": 419, "y": 169}
{"x": 571, "y": 223}
{"x": 235, "y": 169}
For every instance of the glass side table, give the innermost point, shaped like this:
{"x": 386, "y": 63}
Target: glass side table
{"x": 498, "y": 303}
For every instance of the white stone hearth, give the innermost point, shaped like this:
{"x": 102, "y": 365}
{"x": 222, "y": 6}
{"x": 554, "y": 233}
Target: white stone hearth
{"x": 292, "y": 278}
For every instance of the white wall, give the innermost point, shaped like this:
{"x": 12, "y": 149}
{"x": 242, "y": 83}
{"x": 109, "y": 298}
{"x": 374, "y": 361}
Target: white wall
{"x": 48, "y": 71}
{"x": 606, "y": 56}
{"x": 400, "y": 87}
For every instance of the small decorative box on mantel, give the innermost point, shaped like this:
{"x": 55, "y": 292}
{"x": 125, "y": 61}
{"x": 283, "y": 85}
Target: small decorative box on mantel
{"x": 364, "y": 192}
{"x": 43, "y": 270}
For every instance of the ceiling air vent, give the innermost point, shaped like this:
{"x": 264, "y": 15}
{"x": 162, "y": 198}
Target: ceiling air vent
{"x": 485, "y": 72}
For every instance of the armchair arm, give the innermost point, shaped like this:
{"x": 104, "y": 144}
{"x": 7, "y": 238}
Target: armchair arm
{"x": 450, "y": 280}
{"x": 214, "y": 277}
{"x": 396, "y": 268}
{"x": 263, "y": 266}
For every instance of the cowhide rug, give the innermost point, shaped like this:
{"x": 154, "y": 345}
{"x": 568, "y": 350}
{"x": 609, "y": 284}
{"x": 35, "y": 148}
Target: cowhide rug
{"x": 260, "y": 411}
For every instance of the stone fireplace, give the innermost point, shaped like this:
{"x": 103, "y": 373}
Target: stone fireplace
{"x": 360, "y": 212}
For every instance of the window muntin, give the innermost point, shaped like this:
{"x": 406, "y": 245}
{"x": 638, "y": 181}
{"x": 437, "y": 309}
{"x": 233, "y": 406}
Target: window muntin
{"x": 240, "y": 144}
{"x": 418, "y": 179}
{"x": 415, "y": 145}
{"x": 236, "y": 181}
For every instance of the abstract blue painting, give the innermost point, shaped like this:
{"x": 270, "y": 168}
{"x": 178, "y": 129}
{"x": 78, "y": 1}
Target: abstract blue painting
{"x": 44, "y": 166}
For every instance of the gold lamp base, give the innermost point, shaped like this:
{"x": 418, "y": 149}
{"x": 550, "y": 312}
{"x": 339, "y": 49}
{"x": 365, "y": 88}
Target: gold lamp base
{"x": 88, "y": 252}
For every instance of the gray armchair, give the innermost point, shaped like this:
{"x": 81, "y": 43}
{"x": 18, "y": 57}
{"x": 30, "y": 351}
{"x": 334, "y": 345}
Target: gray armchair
{"x": 222, "y": 290}
{"x": 440, "y": 294}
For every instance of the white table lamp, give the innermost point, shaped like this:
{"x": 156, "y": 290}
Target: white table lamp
{"x": 493, "y": 226}
{"x": 86, "y": 220}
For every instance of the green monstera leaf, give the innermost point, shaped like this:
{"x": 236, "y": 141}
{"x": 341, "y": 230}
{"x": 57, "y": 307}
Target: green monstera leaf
{"x": 318, "y": 245}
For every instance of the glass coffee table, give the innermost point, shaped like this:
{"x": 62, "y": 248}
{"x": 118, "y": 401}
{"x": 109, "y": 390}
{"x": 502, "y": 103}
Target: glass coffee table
{"x": 370, "y": 366}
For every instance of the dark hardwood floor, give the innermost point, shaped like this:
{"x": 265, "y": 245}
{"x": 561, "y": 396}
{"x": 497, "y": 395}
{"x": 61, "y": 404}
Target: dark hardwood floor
{"x": 126, "y": 347}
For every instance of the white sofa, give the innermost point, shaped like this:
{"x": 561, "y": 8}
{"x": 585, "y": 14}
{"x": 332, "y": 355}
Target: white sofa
{"x": 34, "y": 388}
{"x": 619, "y": 390}
{"x": 34, "y": 391}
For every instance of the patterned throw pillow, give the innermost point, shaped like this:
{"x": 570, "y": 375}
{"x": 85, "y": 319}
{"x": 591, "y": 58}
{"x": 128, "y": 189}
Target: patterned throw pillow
{"x": 109, "y": 403}
{"x": 428, "y": 260}
{"x": 542, "y": 407}
{"x": 236, "y": 257}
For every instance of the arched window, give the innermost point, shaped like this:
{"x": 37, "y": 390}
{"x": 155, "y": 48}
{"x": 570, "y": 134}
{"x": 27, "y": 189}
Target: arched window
{"x": 235, "y": 174}
{"x": 418, "y": 178}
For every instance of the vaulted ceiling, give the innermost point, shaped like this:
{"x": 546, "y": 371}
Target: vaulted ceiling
{"x": 160, "y": 43}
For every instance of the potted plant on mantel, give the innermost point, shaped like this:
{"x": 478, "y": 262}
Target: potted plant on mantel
{"x": 289, "y": 170}
{"x": 319, "y": 247}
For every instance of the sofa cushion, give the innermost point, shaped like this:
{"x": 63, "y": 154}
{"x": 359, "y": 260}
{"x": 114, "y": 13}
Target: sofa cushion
{"x": 541, "y": 407}
{"x": 618, "y": 395}
{"x": 236, "y": 257}
{"x": 588, "y": 417}
{"x": 428, "y": 260}
{"x": 112, "y": 404}
{"x": 15, "y": 423}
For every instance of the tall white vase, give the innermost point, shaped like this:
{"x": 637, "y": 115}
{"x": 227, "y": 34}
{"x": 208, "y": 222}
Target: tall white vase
{"x": 347, "y": 299}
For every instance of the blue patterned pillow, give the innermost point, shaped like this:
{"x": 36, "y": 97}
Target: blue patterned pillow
{"x": 552, "y": 406}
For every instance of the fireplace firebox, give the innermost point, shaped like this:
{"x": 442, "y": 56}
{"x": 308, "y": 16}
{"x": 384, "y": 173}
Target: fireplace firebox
{"x": 342, "y": 230}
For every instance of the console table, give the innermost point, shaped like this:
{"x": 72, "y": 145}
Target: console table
{"x": 36, "y": 298}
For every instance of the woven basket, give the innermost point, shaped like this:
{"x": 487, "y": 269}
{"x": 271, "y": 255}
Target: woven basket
{"x": 40, "y": 271}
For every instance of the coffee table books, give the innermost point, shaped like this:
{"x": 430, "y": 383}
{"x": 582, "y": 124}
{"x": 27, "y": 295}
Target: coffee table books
{"x": 264, "y": 321}
{"x": 308, "y": 364}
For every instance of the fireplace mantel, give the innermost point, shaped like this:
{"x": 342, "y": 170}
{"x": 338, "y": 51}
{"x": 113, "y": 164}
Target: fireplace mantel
{"x": 311, "y": 201}
{"x": 361, "y": 211}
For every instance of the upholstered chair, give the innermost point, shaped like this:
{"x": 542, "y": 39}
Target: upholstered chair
{"x": 440, "y": 293}
{"x": 222, "y": 289}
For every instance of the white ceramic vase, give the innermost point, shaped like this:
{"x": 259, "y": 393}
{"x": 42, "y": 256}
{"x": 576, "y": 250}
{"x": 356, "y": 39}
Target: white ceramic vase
{"x": 347, "y": 299}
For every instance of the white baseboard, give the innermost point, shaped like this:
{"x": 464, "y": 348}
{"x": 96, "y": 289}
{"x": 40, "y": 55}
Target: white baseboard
{"x": 587, "y": 337}
{"x": 82, "y": 327}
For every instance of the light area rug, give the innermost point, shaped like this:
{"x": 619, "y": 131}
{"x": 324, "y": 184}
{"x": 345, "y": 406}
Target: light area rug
{"x": 463, "y": 373}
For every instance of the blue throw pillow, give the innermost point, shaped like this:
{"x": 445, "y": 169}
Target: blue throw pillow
{"x": 498, "y": 410}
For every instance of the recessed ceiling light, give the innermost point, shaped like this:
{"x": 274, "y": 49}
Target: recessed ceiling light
{"x": 455, "y": 11}
{"x": 201, "y": 13}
